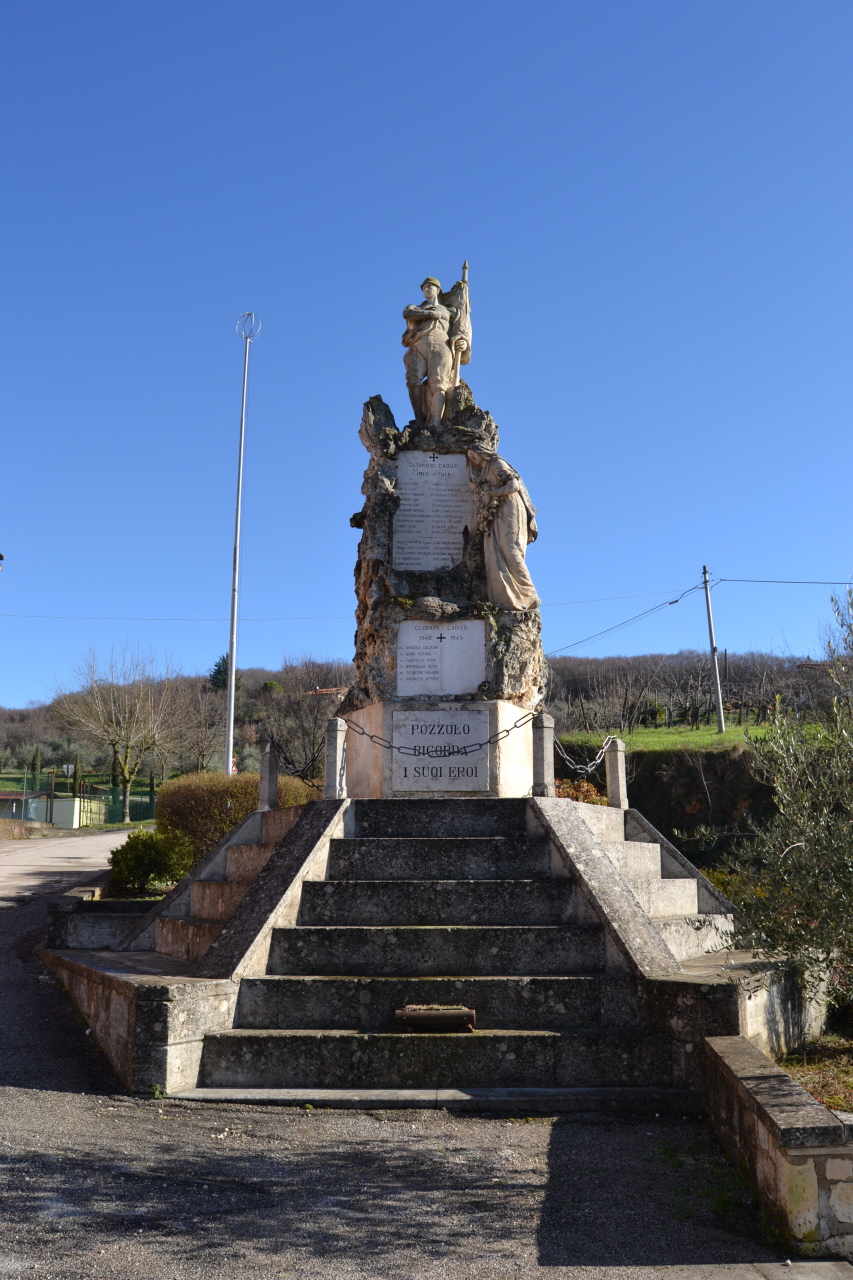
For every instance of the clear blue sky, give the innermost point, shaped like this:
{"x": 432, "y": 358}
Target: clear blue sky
{"x": 655, "y": 199}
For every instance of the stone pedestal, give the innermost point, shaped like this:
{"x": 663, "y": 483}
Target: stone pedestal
{"x": 439, "y": 666}
{"x": 441, "y": 735}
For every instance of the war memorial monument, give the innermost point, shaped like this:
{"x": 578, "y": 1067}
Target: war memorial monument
{"x": 449, "y": 666}
{"x": 441, "y": 930}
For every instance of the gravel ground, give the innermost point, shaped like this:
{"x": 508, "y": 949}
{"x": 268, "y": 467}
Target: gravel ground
{"x": 96, "y": 1184}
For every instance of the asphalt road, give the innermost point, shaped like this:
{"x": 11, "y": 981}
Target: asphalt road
{"x": 96, "y": 1184}
{"x": 47, "y": 864}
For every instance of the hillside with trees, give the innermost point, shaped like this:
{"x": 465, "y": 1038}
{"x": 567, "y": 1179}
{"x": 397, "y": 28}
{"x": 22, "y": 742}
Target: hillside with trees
{"x": 125, "y": 719}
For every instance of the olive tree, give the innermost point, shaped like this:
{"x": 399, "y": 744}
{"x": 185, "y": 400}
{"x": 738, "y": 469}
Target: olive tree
{"x": 792, "y": 878}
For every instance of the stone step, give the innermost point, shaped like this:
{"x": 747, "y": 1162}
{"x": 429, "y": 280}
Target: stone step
{"x": 244, "y": 861}
{"x": 482, "y": 1059}
{"x": 381, "y": 902}
{"x": 514, "y": 857}
{"x": 604, "y": 823}
{"x": 635, "y": 859}
{"x": 368, "y": 1004}
{"x": 275, "y": 823}
{"x": 626, "y": 1100}
{"x": 439, "y": 950}
{"x": 695, "y": 935}
{"x": 665, "y": 899}
{"x": 185, "y": 938}
{"x": 216, "y": 899}
{"x": 439, "y": 817}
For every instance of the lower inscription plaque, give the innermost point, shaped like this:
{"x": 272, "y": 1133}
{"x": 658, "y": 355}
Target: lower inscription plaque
{"x": 449, "y": 658}
{"x": 441, "y": 758}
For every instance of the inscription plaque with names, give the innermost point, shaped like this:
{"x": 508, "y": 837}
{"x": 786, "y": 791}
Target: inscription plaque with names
{"x": 440, "y": 658}
{"x": 435, "y": 509}
{"x": 441, "y": 758}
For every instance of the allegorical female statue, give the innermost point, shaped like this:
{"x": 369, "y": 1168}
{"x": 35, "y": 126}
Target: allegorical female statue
{"x": 437, "y": 340}
{"x": 507, "y": 519}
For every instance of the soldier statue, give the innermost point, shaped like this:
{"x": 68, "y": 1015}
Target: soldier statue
{"x": 437, "y": 341}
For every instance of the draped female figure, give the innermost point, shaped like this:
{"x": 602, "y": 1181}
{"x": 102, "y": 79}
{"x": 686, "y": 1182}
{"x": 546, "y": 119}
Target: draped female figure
{"x": 507, "y": 519}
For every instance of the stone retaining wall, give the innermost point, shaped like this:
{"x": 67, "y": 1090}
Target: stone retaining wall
{"x": 797, "y": 1154}
{"x": 19, "y": 829}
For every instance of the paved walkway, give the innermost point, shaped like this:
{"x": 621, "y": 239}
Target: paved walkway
{"x": 51, "y": 863}
{"x": 98, "y": 1185}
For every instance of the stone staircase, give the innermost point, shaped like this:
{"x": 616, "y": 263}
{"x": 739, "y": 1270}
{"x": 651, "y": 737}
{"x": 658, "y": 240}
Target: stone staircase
{"x": 212, "y": 902}
{"x": 447, "y": 902}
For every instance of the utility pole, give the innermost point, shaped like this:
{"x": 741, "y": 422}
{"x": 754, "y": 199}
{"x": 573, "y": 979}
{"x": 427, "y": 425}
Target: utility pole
{"x": 248, "y": 327}
{"x": 721, "y": 720}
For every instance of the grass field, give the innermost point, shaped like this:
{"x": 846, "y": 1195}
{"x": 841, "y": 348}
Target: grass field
{"x": 678, "y": 738}
{"x": 825, "y": 1068}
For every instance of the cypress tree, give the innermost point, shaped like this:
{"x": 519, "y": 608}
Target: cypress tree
{"x": 114, "y": 779}
{"x": 217, "y": 677}
{"x": 75, "y": 777}
{"x": 35, "y": 766}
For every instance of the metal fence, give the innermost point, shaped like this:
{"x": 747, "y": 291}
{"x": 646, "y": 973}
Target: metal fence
{"x": 108, "y": 800}
{"x": 97, "y": 805}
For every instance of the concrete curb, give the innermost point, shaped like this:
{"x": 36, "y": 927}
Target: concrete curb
{"x": 621, "y": 1101}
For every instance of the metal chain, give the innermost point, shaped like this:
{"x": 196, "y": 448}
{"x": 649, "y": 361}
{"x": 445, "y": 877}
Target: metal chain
{"x": 439, "y": 752}
{"x": 289, "y": 765}
{"x": 585, "y": 768}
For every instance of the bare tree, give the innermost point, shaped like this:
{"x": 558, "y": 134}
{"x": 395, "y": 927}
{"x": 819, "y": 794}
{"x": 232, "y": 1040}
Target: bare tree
{"x": 127, "y": 704}
{"x": 294, "y": 711}
{"x": 594, "y": 695}
{"x": 201, "y": 720}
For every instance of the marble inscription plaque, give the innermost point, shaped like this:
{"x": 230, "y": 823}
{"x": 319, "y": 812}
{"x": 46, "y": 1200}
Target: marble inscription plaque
{"x": 433, "y": 658}
{"x": 440, "y": 742}
{"x": 435, "y": 509}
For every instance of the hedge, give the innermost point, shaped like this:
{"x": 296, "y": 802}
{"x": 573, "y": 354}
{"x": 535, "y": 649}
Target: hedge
{"x": 204, "y": 807}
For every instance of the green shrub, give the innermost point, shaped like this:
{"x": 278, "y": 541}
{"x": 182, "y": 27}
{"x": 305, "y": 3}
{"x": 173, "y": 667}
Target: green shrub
{"x": 203, "y": 807}
{"x": 147, "y": 859}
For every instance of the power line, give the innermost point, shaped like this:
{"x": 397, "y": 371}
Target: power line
{"x": 788, "y": 582}
{"x": 346, "y": 617}
{"x": 642, "y": 595}
{"x": 665, "y": 604}
{"x": 77, "y": 617}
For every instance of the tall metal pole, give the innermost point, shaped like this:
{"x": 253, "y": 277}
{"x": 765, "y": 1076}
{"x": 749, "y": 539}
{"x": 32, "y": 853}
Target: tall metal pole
{"x": 721, "y": 720}
{"x": 248, "y": 327}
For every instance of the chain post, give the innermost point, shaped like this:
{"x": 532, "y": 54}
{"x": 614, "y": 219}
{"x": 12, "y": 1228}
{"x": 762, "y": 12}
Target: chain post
{"x": 268, "y": 798}
{"x": 617, "y": 785}
{"x": 543, "y": 755}
{"x": 334, "y": 771}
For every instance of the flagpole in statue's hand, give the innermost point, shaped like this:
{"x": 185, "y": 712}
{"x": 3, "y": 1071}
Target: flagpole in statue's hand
{"x": 457, "y": 349}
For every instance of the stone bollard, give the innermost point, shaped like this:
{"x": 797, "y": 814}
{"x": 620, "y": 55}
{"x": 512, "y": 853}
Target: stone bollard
{"x": 543, "y": 755}
{"x": 334, "y": 775}
{"x": 617, "y": 786}
{"x": 269, "y": 779}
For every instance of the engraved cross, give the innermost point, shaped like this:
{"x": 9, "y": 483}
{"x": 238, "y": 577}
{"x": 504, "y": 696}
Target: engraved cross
{"x": 440, "y": 638}
{"x": 433, "y": 457}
